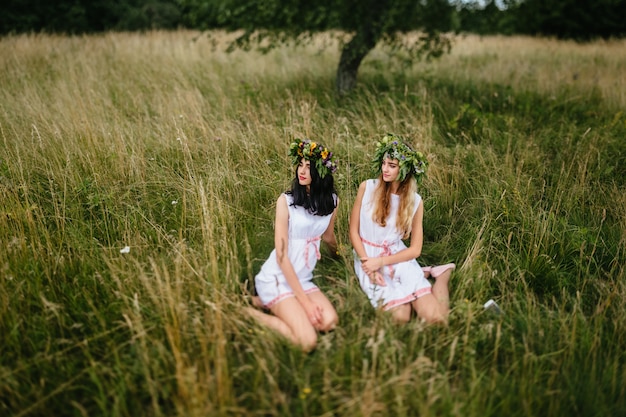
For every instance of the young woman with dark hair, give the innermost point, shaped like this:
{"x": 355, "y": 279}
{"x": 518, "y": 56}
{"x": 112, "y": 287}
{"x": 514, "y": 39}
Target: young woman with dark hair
{"x": 305, "y": 216}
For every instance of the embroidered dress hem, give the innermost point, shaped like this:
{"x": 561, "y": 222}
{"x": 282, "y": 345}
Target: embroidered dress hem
{"x": 408, "y": 299}
{"x": 286, "y": 295}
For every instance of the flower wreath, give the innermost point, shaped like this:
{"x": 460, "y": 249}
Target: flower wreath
{"x": 314, "y": 152}
{"x": 394, "y": 147}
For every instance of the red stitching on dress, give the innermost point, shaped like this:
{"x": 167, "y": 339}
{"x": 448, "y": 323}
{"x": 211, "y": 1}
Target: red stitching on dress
{"x": 287, "y": 295}
{"x": 395, "y": 303}
{"x": 411, "y": 297}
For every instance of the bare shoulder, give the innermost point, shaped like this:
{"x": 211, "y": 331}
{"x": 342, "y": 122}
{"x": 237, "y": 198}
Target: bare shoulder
{"x": 281, "y": 203}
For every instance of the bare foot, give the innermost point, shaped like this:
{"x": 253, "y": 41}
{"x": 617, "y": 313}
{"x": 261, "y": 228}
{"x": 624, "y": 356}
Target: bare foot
{"x": 437, "y": 271}
{"x": 253, "y": 312}
{"x": 256, "y": 302}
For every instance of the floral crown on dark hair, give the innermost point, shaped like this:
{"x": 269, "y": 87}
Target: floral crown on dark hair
{"x": 394, "y": 147}
{"x": 314, "y": 152}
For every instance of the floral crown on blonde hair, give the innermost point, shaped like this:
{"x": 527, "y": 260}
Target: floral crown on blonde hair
{"x": 394, "y": 147}
{"x": 318, "y": 154}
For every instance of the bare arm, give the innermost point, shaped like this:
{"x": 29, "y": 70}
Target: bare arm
{"x": 281, "y": 242}
{"x": 355, "y": 237}
{"x": 355, "y": 223}
{"x": 329, "y": 234}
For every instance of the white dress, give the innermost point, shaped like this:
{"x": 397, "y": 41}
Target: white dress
{"x": 305, "y": 232}
{"x": 405, "y": 280}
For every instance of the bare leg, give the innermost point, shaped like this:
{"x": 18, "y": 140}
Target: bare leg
{"x": 290, "y": 320}
{"x": 272, "y": 322}
{"x": 291, "y": 312}
{"x": 429, "y": 309}
{"x": 441, "y": 291}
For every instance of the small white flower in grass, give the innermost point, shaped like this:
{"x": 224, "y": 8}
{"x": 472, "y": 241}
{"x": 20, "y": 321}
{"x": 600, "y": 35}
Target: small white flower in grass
{"x": 125, "y": 249}
{"x": 174, "y": 202}
{"x": 178, "y": 139}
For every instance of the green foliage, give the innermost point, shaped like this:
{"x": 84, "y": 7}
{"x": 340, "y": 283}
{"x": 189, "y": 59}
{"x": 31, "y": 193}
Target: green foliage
{"x": 87, "y": 16}
{"x": 411, "y": 162}
{"x": 297, "y": 17}
{"x": 484, "y": 18}
{"x": 312, "y": 151}
{"x": 272, "y": 23}
{"x": 570, "y": 19}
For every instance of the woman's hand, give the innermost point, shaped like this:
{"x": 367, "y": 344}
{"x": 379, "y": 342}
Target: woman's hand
{"x": 314, "y": 313}
{"x": 377, "y": 278}
{"x": 371, "y": 265}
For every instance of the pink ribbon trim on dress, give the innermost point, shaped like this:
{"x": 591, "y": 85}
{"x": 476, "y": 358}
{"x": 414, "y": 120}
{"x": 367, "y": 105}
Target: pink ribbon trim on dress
{"x": 311, "y": 241}
{"x": 386, "y": 247}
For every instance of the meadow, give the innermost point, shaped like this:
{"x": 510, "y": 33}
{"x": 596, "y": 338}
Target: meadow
{"x": 138, "y": 178}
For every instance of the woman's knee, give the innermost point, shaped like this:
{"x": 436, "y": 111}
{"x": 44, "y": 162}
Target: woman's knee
{"x": 330, "y": 321}
{"x": 401, "y": 314}
{"x": 430, "y": 310}
{"x": 433, "y": 316}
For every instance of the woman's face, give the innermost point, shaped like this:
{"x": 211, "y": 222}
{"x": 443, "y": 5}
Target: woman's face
{"x": 304, "y": 173}
{"x": 390, "y": 169}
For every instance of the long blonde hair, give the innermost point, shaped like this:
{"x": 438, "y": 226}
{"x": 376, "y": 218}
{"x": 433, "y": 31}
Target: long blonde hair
{"x": 382, "y": 204}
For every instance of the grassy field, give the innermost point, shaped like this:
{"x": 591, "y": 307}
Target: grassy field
{"x": 158, "y": 143}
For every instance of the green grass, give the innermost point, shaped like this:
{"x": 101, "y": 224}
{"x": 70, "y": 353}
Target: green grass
{"x": 157, "y": 142}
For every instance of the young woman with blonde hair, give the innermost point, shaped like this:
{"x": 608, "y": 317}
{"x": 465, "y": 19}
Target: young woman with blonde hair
{"x": 388, "y": 210}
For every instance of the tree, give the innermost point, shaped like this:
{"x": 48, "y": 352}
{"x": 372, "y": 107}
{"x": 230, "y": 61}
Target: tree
{"x": 268, "y": 23}
{"x": 486, "y": 17}
{"x": 581, "y": 20}
{"x": 87, "y": 16}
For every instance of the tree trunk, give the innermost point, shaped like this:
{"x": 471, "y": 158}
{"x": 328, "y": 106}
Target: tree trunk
{"x": 351, "y": 56}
